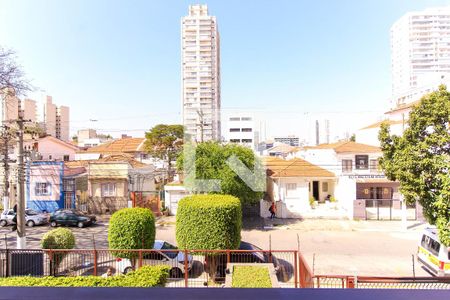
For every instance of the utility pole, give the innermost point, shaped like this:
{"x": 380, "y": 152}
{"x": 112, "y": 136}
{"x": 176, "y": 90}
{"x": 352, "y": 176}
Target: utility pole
{"x": 21, "y": 239}
{"x": 200, "y": 114}
{"x": 5, "y": 138}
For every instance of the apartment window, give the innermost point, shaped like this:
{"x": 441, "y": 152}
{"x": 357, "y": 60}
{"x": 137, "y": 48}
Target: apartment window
{"x": 108, "y": 189}
{"x": 361, "y": 162}
{"x": 235, "y": 130}
{"x": 324, "y": 186}
{"x": 235, "y": 140}
{"x": 246, "y": 119}
{"x": 246, "y": 130}
{"x": 66, "y": 157}
{"x": 246, "y": 140}
{"x": 291, "y": 189}
{"x": 347, "y": 165}
{"x": 374, "y": 165}
{"x": 42, "y": 189}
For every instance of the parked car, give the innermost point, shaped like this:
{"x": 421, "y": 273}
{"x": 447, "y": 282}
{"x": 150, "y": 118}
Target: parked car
{"x": 71, "y": 217}
{"x": 32, "y": 217}
{"x": 245, "y": 257}
{"x": 432, "y": 254}
{"x": 173, "y": 259}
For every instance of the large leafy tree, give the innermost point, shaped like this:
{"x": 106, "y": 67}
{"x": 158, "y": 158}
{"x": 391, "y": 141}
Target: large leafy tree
{"x": 211, "y": 163}
{"x": 165, "y": 142}
{"x": 420, "y": 159}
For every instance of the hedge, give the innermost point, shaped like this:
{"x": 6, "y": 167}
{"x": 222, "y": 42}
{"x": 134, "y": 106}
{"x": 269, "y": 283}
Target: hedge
{"x": 147, "y": 276}
{"x": 209, "y": 222}
{"x": 131, "y": 228}
{"x": 251, "y": 277}
{"x": 60, "y": 238}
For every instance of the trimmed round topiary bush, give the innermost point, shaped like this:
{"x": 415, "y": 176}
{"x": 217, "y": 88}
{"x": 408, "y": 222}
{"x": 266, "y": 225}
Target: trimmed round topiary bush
{"x": 209, "y": 222}
{"x": 60, "y": 238}
{"x": 131, "y": 228}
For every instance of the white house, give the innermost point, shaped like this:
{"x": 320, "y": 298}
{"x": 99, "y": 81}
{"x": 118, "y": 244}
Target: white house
{"x": 291, "y": 184}
{"x": 361, "y": 187}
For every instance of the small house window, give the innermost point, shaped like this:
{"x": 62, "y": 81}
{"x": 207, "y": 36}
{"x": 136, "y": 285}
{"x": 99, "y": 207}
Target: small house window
{"x": 361, "y": 162}
{"x": 42, "y": 189}
{"x": 66, "y": 157}
{"x": 291, "y": 189}
{"x": 347, "y": 165}
{"x": 324, "y": 186}
{"x": 374, "y": 165}
{"x": 108, "y": 189}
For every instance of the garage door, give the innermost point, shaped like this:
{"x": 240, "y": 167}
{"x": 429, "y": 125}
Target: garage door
{"x": 174, "y": 198}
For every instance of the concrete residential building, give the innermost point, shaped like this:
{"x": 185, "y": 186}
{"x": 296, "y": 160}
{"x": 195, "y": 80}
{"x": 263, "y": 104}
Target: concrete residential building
{"x": 200, "y": 57}
{"x": 289, "y": 140}
{"x": 56, "y": 120}
{"x": 240, "y": 129}
{"x": 420, "y": 45}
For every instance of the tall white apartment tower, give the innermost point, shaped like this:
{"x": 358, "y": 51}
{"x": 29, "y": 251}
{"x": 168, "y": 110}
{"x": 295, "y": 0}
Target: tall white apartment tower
{"x": 200, "y": 58}
{"x": 420, "y": 45}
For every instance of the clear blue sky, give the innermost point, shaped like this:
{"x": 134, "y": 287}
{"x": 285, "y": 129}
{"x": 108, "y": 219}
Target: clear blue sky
{"x": 119, "y": 61}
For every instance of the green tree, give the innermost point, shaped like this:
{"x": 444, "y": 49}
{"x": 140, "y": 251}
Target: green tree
{"x": 165, "y": 142}
{"x": 420, "y": 159}
{"x": 211, "y": 163}
{"x": 209, "y": 222}
{"x": 131, "y": 228}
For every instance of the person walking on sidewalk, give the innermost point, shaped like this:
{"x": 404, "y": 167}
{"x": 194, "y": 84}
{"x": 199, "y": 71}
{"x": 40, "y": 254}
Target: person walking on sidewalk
{"x": 272, "y": 210}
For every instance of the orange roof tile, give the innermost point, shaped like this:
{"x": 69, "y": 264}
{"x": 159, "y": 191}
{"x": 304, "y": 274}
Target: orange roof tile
{"x": 347, "y": 146}
{"x": 128, "y": 145}
{"x": 404, "y": 106}
{"x": 294, "y": 168}
{"x": 378, "y": 124}
{"x": 122, "y": 157}
{"x": 282, "y": 148}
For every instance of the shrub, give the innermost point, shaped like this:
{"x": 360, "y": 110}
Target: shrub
{"x": 147, "y": 276}
{"x": 251, "y": 277}
{"x": 209, "y": 222}
{"x": 312, "y": 201}
{"x": 60, "y": 238}
{"x": 332, "y": 199}
{"x": 131, "y": 228}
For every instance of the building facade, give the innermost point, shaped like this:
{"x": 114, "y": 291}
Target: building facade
{"x": 240, "y": 129}
{"x": 289, "y": 140}
{"x": 420, "y": 45}
{"x": 200, "y": 74}
{"x": 56, "y": 119}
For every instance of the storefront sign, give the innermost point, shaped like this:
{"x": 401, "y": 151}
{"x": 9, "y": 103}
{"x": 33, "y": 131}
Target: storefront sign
{"x": 366, "y": 176}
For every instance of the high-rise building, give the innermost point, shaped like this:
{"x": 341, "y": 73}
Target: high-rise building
{"x": 200, "y": 58}
{"x": 56, "y": 120}
{"x": 420, "y": 44}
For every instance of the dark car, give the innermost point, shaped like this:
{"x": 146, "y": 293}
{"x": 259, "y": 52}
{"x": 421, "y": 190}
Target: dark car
{"x": 258, "y": 256}
{"x": 71, "y": 217}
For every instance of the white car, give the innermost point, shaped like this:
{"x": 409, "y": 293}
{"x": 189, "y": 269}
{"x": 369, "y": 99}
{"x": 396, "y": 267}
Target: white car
{"x": 173, "y": 259}
{"x": 32, "y": 217}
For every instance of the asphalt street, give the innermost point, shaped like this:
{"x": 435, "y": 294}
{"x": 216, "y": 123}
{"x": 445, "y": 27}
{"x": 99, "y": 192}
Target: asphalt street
{"x": 343, "y": 250}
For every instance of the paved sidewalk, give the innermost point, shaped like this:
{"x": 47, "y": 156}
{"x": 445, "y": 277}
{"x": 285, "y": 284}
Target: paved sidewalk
{"x": 343, "y": 225}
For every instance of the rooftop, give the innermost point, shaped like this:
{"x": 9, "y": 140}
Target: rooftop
{"x": 128, "y": 145}
{"x": 347, "y": 146}
{"x": 296, "y": 167}
{"x": 378, "y": 124}
{"x": 121, "y": 157}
